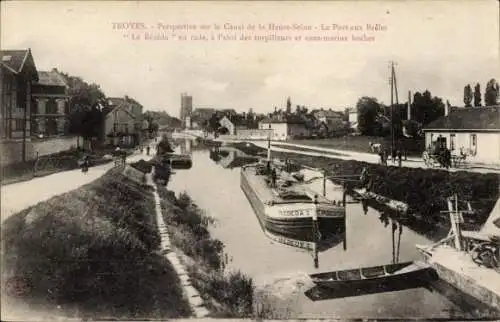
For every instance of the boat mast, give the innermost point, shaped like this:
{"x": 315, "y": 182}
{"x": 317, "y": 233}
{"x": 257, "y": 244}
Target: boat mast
{"x": 315, "y": 232}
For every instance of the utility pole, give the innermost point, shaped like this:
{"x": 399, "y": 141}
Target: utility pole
{"x": 269, "y": 143}
{"x": 391, "y": 107}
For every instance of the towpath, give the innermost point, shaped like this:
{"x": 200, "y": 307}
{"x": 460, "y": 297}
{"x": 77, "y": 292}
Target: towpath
{"x": 360, "y": 156}
{"x": 17, "y": 196}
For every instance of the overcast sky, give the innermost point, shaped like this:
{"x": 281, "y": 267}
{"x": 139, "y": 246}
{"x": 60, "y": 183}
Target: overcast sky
{"x": 440, "y": 46}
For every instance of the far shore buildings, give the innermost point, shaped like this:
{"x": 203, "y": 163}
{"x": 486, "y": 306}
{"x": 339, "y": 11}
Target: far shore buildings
{"x": 475, "y": 130}
{"x": 285, "y": 127}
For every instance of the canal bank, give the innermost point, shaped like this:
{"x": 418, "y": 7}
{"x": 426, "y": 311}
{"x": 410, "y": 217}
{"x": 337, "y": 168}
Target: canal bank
{"x": 423, "y": 190}
{"x": 281, "y": 271}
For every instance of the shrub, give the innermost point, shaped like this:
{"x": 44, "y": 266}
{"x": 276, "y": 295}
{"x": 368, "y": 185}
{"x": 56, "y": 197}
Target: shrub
{"x": 424, "y": 190}
{"x": 142, "y": 166}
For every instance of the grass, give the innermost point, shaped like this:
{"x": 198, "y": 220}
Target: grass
{"x": 361, "y": 144}
{"x": 94, "y": 248}
{"x": 424, "y": 190}
{"x": 227, "y": 294}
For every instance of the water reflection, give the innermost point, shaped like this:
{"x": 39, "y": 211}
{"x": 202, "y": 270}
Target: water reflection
{"x": 230, "y": 158}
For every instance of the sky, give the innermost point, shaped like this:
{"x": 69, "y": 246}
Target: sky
{"x": 437, "y": 45}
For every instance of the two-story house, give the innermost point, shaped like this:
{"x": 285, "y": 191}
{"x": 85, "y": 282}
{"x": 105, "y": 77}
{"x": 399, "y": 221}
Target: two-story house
{"x": 17, "y": 75}
{"x": 50, "y": 105}
{"x": 120, "y": 125}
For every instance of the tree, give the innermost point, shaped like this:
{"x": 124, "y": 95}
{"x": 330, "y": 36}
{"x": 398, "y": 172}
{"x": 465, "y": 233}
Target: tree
{"x": 477, "y": 95}
{"x": 368, "y": 109}
{"x": 213, "y": 123}
{"x": 86, "y": 101}
{"x": 491, "y": 93}
{"x": 288, "y": 106}
{"x": 467, "y": 95}
{"x": 426, "y": 107}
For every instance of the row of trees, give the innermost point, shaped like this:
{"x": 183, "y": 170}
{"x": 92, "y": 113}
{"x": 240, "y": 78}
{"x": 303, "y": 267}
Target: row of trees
{"x": 491, "y": 94}
{"x": 375, "y": 118}
{"x": 86, "y": 104}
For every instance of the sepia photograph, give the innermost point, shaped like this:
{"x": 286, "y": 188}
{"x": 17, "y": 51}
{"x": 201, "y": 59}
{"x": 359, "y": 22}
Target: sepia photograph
{"x": 250, "y": 160}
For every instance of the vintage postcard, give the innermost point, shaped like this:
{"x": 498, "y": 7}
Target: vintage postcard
{"x": 250, "y": 160}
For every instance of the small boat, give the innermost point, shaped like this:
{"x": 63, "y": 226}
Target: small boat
{"x": 373, "y": 276}
{"x": 180, "y": 161}
{"x": 176, "y": 161}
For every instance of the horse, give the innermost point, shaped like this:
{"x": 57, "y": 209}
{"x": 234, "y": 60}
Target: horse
{"x": 375, "y": 147}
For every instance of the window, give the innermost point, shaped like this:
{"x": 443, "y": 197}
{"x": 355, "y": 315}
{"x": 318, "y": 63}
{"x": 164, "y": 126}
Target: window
{"x": 452, "y": 142}
{"x": 473, "y": 144}
{"x": 17, "y": 124}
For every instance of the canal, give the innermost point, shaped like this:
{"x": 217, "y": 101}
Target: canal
{"x": 371, "y": 240}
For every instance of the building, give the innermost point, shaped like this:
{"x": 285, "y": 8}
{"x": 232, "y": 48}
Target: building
{"x": 285, "y": 127}
{"x": 225, "y": 122}
{"x": 200, "y": 116}
{"x": 186, "y": 107}
{"x": 123, "y": 122}
{"x": 18, "y": 73}
{"x": 474, "y": 130}
{"x": 328, "y": 121}
{"x": 352, "y": 118}
{"x": 50, "y": 105}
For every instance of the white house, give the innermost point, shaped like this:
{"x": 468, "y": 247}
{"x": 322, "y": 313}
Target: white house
{"x": 285, "y": 127}
{"x": 353, "y": 118}
{"x": 230, "y": 126}
{"x": 119, "y": 125}
{"x": 475, "y": 130}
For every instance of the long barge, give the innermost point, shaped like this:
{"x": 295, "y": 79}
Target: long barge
{"x": 293, "y": 210}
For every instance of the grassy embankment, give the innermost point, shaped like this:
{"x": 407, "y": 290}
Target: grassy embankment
{"x": 94, "y": 249}
{"x": 424, "y": 190}
{"x": 226, "y": 293}
{"x": 360, "y": 143}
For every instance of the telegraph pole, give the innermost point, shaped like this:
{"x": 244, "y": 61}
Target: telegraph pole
{"x": 391, "y": 107}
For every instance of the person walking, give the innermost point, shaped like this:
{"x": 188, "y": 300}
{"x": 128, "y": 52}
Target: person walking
{"x": 400, "y": 158}
{"x": 273, "y": 177}
{"x": 147, "y": 150}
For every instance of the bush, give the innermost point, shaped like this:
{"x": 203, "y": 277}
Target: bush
{"x": 94, "y": 248}
{"x": 143, "y": 166}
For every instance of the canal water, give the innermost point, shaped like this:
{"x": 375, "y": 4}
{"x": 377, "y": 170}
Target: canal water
{"x": 281, "y": 269}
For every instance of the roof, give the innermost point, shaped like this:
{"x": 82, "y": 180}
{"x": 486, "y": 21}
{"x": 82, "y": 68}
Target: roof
{"x": 462, "y": 119}
{"x": 116, "y": 103}
{"x": 51, "y": 78}
{"x": 15, "y": 60}
{"x": 328, "y": 113}
{"x": 289, "y": 119}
